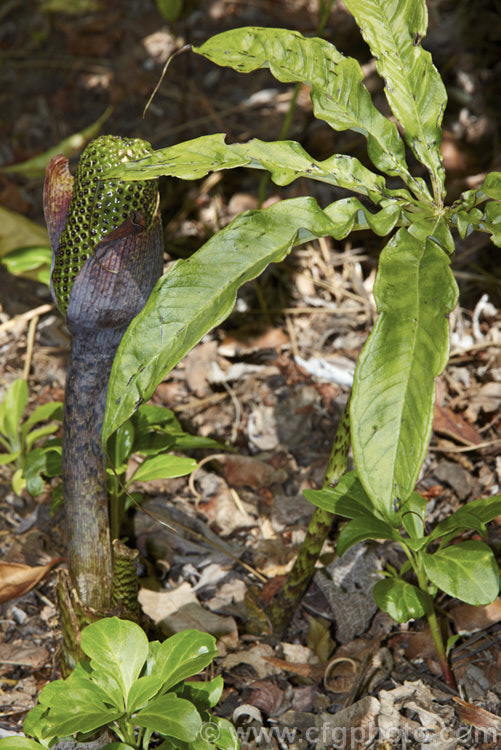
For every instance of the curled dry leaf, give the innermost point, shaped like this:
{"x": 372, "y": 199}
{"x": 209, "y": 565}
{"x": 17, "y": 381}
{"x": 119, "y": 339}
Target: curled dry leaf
{"x": 17, "y": 579}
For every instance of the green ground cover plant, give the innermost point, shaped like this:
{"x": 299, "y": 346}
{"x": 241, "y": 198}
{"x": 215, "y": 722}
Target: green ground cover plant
{"x": 140, "y": 691}
{"x": 19, "y": 434}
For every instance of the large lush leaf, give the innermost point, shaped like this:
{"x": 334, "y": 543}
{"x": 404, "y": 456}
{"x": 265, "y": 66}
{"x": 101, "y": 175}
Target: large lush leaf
{"x": 172, "y": 716}
{"x": 197, "y": 294}
{"x": 163, "y": 467}
{"x": 119, "y": 647}
{"x": 401, "y": 600}
{"x": 337, "y": 91}
{"x": 362, "y": 528}
{"x": 393, "y": 29}
{"x": 89, "y": 704}
{"x": 347, "y": 498}
{"x": 492, "y": 221}
{"x": 393, "y": 389}
{"x": 285, "y": 160}
{"x": 467, "y": 571}
{"x": 183, "y": 655}
{"x": 491, "y": 186}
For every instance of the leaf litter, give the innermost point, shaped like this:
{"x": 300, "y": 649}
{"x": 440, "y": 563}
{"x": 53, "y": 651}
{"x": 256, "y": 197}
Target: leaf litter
{"x": 271, "y": 382}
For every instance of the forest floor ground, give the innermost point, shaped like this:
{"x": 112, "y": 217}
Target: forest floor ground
{"x": 257, "y": 382}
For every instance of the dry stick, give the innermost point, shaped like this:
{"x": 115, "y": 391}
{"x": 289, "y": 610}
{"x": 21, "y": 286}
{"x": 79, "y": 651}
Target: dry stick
{"x": 29, "y": 315}
{"x": 298, "y": 580}
{"x": 30, "y": 340}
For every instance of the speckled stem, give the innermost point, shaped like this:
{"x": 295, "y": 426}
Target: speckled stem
{"x": 84, "y": 476}
{"x": 299, "y": 578}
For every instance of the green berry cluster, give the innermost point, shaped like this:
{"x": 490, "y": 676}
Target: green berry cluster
{"x": 98, "y": 206}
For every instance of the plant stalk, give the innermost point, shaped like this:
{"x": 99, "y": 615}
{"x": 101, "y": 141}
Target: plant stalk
{"x": 435, "y": 630}
{"x": 84, "y": 472}
{"x": 299, "y": 578}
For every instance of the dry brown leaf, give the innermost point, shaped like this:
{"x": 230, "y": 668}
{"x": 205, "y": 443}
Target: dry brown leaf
{"x": 314, "y": 671}
{"x": 447, "y": 422}
{"x": 17, "y": 579}
{"x": 477, "y": 717}
{"x": 266, "y": 696}
{"x": 245, "y": 470}
{"x": 23, "y": 654}
{"x": 468, "y": 618}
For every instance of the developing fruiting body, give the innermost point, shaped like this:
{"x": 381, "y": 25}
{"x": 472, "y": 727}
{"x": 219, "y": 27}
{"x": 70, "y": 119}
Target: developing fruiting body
{"x": 98, "y": 206}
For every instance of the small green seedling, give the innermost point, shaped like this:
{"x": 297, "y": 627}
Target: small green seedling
{"x": 18, "y": 436}
{"x": 151, "y": 435}
{"x": 141, "y": 692}
{"x": 466, "y": 570}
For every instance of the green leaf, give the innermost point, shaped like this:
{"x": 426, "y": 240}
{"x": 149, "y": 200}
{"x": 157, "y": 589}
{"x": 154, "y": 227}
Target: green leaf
{"x": 491, "y": 186}
{"x": 141, "y": 691}
{"x": 197, "y": 294}
{"x": 348, "y": 498}
{"x": 393, "y": 29}
{"x": 163, "y": 467}
{"x": 337, "y": 91}
{"x": 14, "y": 403}
{"x": 394, "y": 389}
{"x": 467, "y": 571}
{"x": 362, "y": 528}
{"x": 183, "y": 655}
{"x": 121, "y": 444}
{"x": 89, "y": 709}
{"x": 413, "y": 514}
{"x": 19, "y": 743}
{"x": 204, "y": 695}
{"x": 42, "y": 462}
{"x": 116, "y": 646}
{"x": 170, "y": 9}
{"x": 39, "y": 433}
{"x": 473, "y": 515}
{"x": 172, "y": 716}
{"x": 7, "y": 458}
{"x": 32, "y": 262}
{"x": 285, "y": 160}
{"x": 492, "y": 221}
{"x": 52, "y": 410}
{"x": 401, "y": 600}
{"x": 227, "y": 738}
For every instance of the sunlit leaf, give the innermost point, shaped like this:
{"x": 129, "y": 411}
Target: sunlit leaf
{"x": 337, "y": 91}
{"x": 393, "y": 29}
{"x": 197, "y": 294}
{"x": 401, "y": 600}
{"x": 285, "y": 160}
{"x": 393, "y": 390}
{"x": 468, "y": 571}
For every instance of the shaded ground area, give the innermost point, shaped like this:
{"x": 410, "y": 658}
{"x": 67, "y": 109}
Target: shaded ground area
{"x": 271, "y": 382}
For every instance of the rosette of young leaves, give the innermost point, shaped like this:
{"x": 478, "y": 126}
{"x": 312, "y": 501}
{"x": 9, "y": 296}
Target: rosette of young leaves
{"x": 134, "y": 688}
{"x": 394, "y": 29}
{"x": 198, "y": 294}
{"x": 466, "y": 570}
